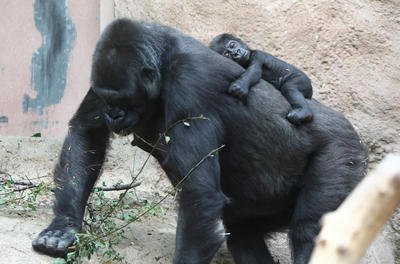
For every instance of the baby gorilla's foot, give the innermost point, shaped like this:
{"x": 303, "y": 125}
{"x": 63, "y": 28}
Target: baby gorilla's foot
{"x": 238, "y": 90}
{"x": 300, "y": 115}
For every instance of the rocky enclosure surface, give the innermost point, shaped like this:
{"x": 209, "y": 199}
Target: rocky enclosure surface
{"x": 350, "y": 50}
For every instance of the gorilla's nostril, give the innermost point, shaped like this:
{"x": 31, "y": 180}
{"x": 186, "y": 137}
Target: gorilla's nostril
{"x": 115, "y": 114}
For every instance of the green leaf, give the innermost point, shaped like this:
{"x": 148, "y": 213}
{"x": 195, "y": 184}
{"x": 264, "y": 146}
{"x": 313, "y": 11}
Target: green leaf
{"x": 59, "y": 261}
{"x": 38, "y": 134}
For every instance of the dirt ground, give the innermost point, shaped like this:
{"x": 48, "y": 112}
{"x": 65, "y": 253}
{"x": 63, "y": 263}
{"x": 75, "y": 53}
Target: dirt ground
{"x": 150, "y": 240}
{"x": 350, "y": 50}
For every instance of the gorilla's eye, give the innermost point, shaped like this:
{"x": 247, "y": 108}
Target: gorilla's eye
{"x": 232, "y": 44}
{"x": 148, "y": 74}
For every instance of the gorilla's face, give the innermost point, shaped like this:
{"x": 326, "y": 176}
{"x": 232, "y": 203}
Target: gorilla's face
{"x": 237, "y": 51}
{"x": 122, "y": 110}
{"x": 123, "y": 89}
{"x": 126, "y": 79}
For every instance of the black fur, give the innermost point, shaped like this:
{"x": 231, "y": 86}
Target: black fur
{"x": 270, "y": 174}
{"x": 292, "y": 82}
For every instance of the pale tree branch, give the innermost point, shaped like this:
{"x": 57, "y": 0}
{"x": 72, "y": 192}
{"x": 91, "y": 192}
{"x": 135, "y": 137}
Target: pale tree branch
{"x": 347, "y": 232}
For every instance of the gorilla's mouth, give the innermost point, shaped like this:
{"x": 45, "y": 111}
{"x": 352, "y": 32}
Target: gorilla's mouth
{"x": 119, "y": 128}
{"x": 123, "y": 127}
{"x": 240, "y": 55}
{"x": 125, "y": 132}
{"x": 121, "y": 131}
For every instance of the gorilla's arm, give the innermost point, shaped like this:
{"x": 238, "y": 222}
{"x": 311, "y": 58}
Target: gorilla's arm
{"x": 192, "y": 151}
{"x": 81, "y": 158}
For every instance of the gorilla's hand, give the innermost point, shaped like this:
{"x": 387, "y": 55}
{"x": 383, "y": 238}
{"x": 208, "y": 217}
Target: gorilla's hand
{"x": 239, "y": 89}
{"x": 56, "y": 239}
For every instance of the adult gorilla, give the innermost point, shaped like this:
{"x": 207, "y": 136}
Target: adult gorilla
{"x": 270, "y": 174}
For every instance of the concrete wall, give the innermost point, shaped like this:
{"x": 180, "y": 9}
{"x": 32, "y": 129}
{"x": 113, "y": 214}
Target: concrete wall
{"x": 45, "y": 57}
{"x": 350, "y": 49}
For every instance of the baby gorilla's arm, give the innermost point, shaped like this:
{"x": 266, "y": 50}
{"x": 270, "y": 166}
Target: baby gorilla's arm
{"x": 252, "y": 75}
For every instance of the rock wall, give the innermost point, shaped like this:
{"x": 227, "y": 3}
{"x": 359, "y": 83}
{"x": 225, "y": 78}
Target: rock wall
{"x": 350, "y": 49}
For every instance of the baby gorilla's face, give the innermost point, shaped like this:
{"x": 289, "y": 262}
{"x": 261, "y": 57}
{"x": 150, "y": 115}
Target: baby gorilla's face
{"x": 237, "y": 51}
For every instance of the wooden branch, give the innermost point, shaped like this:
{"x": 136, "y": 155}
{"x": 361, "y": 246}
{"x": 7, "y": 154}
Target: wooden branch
{"x": 20, "y": 189}
{"x": 29, "y": 185}
{"x": 347, "y": 232}
{"x": 118, "y": 187}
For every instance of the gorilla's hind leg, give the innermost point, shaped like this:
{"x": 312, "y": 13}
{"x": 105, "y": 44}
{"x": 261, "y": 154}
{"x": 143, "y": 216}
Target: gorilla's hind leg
{"x": 246, "y": 244}
{"x": 330, "y": 177}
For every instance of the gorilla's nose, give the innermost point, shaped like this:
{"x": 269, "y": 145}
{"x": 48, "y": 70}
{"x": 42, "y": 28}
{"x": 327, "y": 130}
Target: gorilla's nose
{"x": 115, "y": 114}
{"x": 237, "y": 54}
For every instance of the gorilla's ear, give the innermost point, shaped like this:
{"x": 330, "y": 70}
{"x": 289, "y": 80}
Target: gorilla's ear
{"x": 150, "y": 80}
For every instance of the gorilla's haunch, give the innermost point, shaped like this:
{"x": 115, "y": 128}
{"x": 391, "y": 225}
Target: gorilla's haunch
{"x": 270, "y": 175}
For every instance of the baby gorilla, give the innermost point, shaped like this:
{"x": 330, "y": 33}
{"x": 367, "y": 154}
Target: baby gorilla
{"x": 290, "y": 81}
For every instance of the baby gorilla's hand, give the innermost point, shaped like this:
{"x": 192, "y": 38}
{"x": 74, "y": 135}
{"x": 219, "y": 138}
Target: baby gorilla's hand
{"x": 239, "y": 90}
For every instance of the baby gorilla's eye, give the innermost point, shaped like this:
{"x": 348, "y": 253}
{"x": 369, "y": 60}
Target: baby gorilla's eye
{"x": 232, "y": 45}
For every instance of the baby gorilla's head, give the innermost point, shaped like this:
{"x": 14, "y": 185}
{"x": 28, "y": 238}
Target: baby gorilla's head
{"x": 231, "y": 47}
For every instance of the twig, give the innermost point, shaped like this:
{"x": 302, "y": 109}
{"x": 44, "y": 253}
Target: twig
{"x": 30, "y": 185}
{"x": 184, "y": 120}
{"x": 5, "y": 173}
{"x": 20, "y": 183}
{"x": 148, "y": 143}
{"x": 197, "y": 165}
{"x": 20, "y": 189}
{"x": 26, "y": 186}
{"x": 118, "y": 187}
{"x": 133, "y": 180}
{"x": 210, "y": 154}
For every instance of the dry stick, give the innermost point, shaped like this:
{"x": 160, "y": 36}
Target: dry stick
{"x": 30, "y": 185}
{"x": 26, "y": 187}
{"x": 148, "y": 143}
{"x": 29, "y": 179}
{"x": 154, "y": 147}
{"x": 347, "y": 232}
{"x": 184, "y": 120}
{"x": 27, "y": 184}
{"x": 210, "y": 154}
{"x": 118, "y": 187}
{"x": 133, "y": 180}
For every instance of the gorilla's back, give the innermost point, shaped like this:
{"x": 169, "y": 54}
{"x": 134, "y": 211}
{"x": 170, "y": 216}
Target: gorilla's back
{"x": 264, "y": 144}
